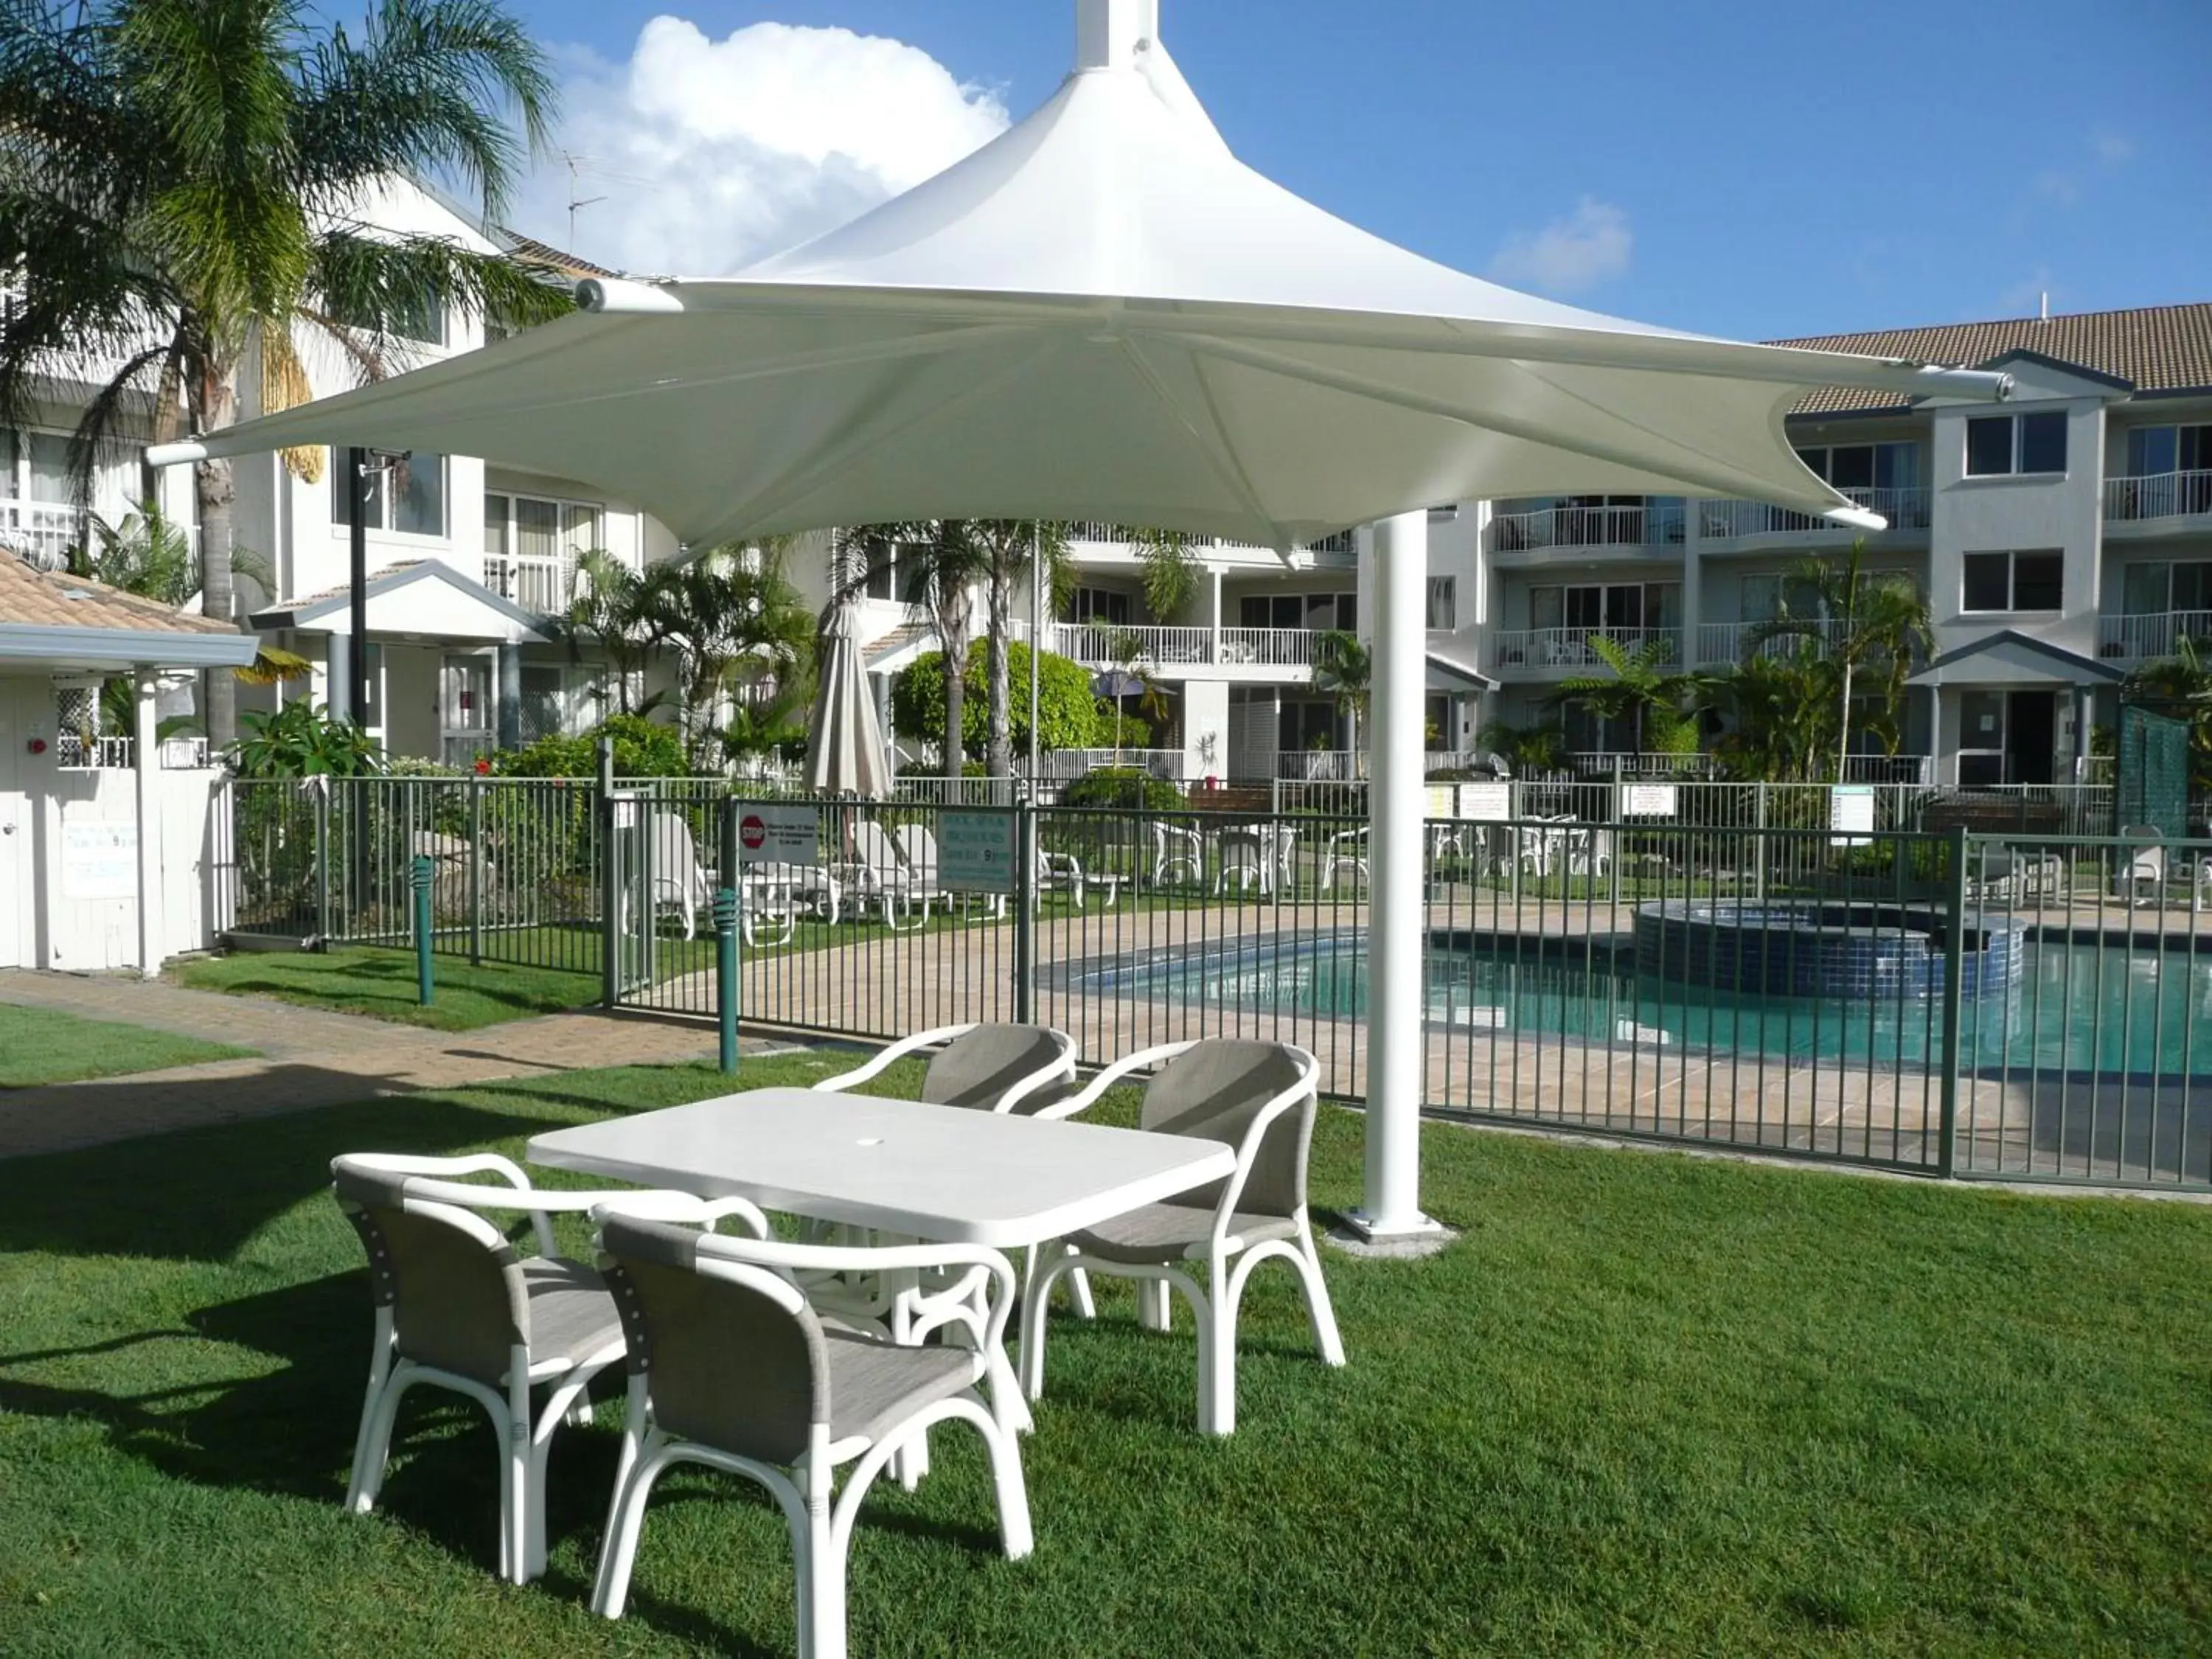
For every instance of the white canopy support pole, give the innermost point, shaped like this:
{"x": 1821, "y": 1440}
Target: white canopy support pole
{"x": 1397, "y": 1058}
{"x": 146, "y": 752}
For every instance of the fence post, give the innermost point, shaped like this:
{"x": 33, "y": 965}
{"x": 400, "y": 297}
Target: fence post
{"x": 421, "y": 875}
{"x": 726, "y": 973}
{"x": 1759, "y": 823}
{"x": 610, "y": 880}
{"x": 322, "y": 818}
{"x": 1025, "y": 830}
{"x": 475, "y": 870}
{"x": 1954, "y": 955}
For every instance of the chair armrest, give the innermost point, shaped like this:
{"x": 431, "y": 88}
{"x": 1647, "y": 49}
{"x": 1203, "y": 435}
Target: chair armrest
{"x": 424, "y": 1171}
{"x": 650, "y": 1205}
{"x": 796, "y": 1259}
{"x": 1112, "y": 1075}
{"x": 1061, "y": 1070}
{"x": 898, "y": 1051}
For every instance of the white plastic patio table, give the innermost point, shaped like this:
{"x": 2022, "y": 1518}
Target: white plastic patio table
{"x": 942, "y": 1173}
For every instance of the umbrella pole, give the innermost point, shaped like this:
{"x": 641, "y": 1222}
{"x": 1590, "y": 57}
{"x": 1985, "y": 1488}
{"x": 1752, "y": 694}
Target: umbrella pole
{"x": 1397, "y": 1053}
{"x": 1037, "y": 639}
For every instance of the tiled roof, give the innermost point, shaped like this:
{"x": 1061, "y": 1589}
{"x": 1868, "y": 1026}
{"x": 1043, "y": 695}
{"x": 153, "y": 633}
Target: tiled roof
{"x": 2155, "y": 349}
{"x": 344, "y": 588}
{"x": 531, "y": 250}
{"x": 884, "y": 647}
{"x": 39, "y": 598}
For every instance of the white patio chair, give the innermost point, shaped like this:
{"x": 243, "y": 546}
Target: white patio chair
{"x": 880, "y": 873}
{"x": 731, "y": 1367}
{"x": 1063, "y": 872}
{"x": 678, "y": 878}
{"x": 1260, "y": 1097}
{"x": 768, "y": 899}
{"x": 2145, "y": 863}
{"x": 455, "y": 1309}
{"x": 1346, "y": 851}
{"x": 1590, "y": 852}
{"x": 1178, "y": 854}
{"x": 992, "y": 1067}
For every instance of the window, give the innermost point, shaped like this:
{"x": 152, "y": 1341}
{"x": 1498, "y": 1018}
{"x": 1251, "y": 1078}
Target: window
{"x": 2001, "y": 444}
{"x": 1865, "y": 466}
{"x": 1763, "y": 598}
{"x": 1613, "y": 606}
{"x": 1981, "y": 739}
{"x": 2014, "y": 582}
{"x": 408, "y": 495}
{"x": 1444, "y": 602}
{"x": 2151, "y": 590}
{"x": 1319, "y": 611}
{"x": 1101, "y": 605}
{"x": 2155, "y": 451}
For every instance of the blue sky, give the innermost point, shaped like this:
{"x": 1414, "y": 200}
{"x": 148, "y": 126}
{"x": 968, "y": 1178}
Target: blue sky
{"x": 1753, "y": 169}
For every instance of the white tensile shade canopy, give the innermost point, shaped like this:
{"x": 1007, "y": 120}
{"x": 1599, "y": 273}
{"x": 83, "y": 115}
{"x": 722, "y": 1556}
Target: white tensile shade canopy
{"x": 1102, "y": 314}
{"x": 845, "y": 749}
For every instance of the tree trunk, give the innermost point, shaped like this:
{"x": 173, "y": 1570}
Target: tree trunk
{"x": 218, "y": 492}
{"x": 953, "y": 615}
{"x": 999, "y": 748}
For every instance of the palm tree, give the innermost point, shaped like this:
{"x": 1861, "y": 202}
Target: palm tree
{"x": 1010, "y": 546}
{"x": 1637, "y": 690}
{"x": 1172, "y": 572}
{"x": 2180, "y": 686}
{"x": 740, "y": 634}
{"x": 183, "y": 179}
{"x": 939, "y": 562}
{"x": 606, "y": 606}
{"x": 1345, "y": 668}
{"x": 1873, "y": 623}
{"x": 1776, "y": 714}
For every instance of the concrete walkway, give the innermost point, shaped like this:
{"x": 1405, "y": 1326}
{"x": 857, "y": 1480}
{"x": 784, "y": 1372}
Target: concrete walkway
{"x": 308, "y": 1058}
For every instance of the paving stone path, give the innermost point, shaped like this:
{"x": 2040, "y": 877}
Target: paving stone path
{"x": 308, "y": 1058}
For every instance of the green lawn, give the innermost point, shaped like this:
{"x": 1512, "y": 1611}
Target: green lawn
{"x": 40, "y": 1045}
{"x": 381, "y": 983}
{"x": 1647, "y": 1403}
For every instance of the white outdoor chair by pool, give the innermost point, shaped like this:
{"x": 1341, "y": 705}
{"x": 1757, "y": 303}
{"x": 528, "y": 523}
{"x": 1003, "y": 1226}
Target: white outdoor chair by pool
{"x": 457, "y": 1309}
{"x": 2146, "y": 863}
{"x": 730, "y": 1366}
{"x": 1178, "y": 854}
{"x": 1260, "y": 1098}
{"x": 993, "y": 1068}
{"x": 1348, "y": 852}
{"x": 880, "y": 871}
{"x": 678, "y": 878}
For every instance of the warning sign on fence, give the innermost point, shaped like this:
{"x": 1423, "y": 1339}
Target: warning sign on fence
{"x": 975, "y": 852}
{"x": 779, "y": 834}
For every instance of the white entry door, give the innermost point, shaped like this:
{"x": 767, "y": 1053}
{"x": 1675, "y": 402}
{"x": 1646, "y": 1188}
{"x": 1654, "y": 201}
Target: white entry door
{"x": 14, "y": 829}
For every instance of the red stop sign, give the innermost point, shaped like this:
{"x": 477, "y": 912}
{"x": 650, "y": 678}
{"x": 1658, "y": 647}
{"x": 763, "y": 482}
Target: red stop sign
{"x": 752, "y": 831}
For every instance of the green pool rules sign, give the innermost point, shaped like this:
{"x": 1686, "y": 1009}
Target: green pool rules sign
{"x": 975, "y": 851}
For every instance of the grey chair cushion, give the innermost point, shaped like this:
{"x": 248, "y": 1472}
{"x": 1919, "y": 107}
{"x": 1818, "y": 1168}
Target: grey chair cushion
{"x": 1161, "y": 1233}
{"x": 872, "y": 1385}
{"x": 572, "y": 1315}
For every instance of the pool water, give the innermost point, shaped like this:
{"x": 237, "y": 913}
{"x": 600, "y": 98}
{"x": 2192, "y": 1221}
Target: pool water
{"x": 2079, "y": 1007}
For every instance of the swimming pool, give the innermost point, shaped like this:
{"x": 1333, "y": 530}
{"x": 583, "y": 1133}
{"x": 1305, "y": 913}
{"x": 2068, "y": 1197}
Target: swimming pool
{"x": 2074, "y": 1008}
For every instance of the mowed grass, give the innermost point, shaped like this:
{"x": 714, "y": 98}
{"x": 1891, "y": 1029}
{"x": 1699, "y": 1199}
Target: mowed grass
{"x": 42, "y": 1045}
{"x": 381, "y": 983}
{"x": 1645, "y": 1404}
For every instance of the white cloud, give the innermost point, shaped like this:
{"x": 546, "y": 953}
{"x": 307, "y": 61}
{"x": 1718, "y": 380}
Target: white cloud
{"x": 712, "y": 153}
{"x": 1590, "y": 245}
{"x": 2112, "y": 147}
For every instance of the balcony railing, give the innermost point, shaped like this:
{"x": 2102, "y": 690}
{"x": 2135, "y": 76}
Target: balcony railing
{"x": 1541, "y": 648}
{"x": 1157, "y": 647}
{"x": 1655, "y": 524}
{"x": 1738, "y": 641}
{"x": 539, "y": 585}
{"x": 2150, "y": 637}
{"x": 1092, "y": 530}
{"x": 1729, "y": 521}
{"x": 2161, "y": 496}
{"x": 41, "y": 531}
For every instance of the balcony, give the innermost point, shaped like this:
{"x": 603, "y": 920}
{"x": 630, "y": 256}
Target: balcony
{"x": 1654, "y": 524}
{"x": 1906, "y": 509}
{"x": 41, "y": 531}
{"x": 2158, "y": 499}
{"x": 2150, "y": 637}
{"x": 1738, "y": 641}
{"x": 539, "y": 585}
{"x": 1093, "y": 530}
{"x": 1536, "y": 652}
{"x": 1296, "y": 650}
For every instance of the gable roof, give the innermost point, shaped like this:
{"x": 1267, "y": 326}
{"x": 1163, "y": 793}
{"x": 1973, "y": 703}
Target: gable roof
{"x": 331, "y": 611}
{"x": 2010, "y": 657}
{"x": 2153, "y": 348}
{"x": 46, "y": 615}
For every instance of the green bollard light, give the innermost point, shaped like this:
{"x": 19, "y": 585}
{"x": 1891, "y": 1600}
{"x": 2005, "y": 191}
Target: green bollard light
{"x": 420, "y": 878}
{"x": 726, "y": 975}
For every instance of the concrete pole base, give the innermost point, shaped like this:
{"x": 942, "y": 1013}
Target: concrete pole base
{"x": 1358, "y": 1235}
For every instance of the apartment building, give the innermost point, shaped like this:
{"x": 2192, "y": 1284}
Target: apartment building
{"x": 2061, "y": 539}
{"x": 467, "y": 563}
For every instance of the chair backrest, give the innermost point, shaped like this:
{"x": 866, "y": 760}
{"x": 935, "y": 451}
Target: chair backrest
{"x": 918, "y": 844}
{"x": 732, "y": 1355}
{"x": 873, "y": 848}
{"x": 458, "y": 1302}
{"x": 675, "y": 856}
{"x": 978, "y": 1067}
{"x": 1213, "y": 1090}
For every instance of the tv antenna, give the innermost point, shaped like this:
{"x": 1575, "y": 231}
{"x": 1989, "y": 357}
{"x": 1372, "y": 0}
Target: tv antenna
{"x": 576, "y": 164}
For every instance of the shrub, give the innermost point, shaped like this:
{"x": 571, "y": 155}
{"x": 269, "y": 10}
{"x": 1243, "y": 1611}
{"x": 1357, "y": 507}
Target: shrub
{"x": 1128, "y": 787}
{"x": 1068, "y": 715}
{"x": 643, "y": 749}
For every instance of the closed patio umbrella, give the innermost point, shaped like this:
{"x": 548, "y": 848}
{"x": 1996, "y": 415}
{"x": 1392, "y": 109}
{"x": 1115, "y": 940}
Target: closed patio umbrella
{"x": 845, "y": 747}
{"x": 1102, "y": 314}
